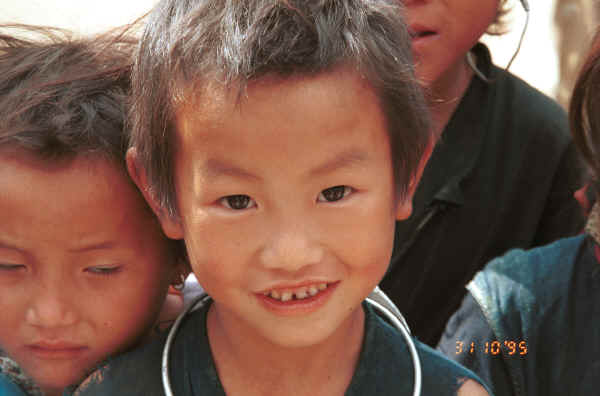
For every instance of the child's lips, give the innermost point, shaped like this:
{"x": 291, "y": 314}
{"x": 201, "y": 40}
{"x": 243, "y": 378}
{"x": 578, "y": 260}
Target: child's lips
{"x": 56, "y": 350}
{"x": 297, "y": 300}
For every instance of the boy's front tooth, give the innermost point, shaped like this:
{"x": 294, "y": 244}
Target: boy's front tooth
{"x": 286, "y": 296}
{"x": 301, "y": 293}
{"x": 312, "y": 290}
{"x": 275, "y": 294}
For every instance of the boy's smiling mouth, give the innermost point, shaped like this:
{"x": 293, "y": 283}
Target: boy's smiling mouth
{"x": 299, "y": 299}
{"x": 299, "y": 293}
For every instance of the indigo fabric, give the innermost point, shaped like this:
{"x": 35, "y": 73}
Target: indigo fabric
{"x": 9, "y": 388}
{"x": 384, "y": 368}
{"x": 549, "y": 298}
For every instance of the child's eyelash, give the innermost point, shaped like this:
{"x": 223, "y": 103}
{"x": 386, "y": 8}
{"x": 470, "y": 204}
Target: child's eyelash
{"x": 336, "y": 193}
{"x": 237, "y": 202}
{"x": 10, "y": 267}
{"x": 103, "y": 271}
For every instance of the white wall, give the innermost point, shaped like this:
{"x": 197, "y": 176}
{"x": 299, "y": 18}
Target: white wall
{"x": 86, "y": 16}
{"x": 537, "y": 62}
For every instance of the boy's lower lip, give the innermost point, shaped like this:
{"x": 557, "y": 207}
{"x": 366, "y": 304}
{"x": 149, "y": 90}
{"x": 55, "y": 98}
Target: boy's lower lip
{"x": 298, "y": 307}
{"x": 60, "y": 353}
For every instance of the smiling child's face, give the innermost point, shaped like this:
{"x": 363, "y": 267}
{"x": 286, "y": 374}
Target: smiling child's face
{"x": 84, "y": 267}
{"x": 287, "y": 204}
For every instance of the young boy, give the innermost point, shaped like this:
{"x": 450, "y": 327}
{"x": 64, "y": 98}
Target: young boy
{"x": 502, "y": 175}
{"x": 84, "y": 266}
{"x": 281, "y": 140}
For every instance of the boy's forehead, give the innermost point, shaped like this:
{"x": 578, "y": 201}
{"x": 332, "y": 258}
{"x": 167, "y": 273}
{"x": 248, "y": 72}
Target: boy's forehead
{"x": 212, "y": 102}
{"x": 333, "y": 115}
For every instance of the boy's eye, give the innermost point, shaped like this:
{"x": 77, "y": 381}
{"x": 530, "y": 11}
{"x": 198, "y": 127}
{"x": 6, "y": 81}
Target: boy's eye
{"x": 333, "y": 194}
{"x": 237, "y": 202}
{"x": 103, "y": 270}
{"x": 10, "y": 267}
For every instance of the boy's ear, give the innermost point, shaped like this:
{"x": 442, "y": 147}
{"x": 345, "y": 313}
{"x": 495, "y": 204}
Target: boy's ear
{"x": 171, "y": 227}
{"x": 404, "y": 208}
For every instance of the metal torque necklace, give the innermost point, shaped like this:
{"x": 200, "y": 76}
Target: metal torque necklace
{"x": 378, "y": 300}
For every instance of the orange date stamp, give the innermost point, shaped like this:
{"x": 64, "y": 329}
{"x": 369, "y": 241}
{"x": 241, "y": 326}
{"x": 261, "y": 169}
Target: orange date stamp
{"x": 508, "y": 347}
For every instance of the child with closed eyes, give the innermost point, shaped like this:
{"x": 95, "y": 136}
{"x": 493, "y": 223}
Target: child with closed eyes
{"x": 84, "y": 265}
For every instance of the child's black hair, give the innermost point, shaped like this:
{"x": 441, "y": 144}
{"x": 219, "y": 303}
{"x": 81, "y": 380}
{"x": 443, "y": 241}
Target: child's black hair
{"x": 190, "y": 43}
{"x": 62, "y": 96}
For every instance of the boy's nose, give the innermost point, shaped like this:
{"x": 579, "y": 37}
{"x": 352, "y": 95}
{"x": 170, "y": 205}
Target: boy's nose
{"x": 291, "y": 251}
{"x": 50, "y": 308}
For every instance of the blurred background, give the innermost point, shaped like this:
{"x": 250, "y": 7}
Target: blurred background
{"x": 559, "y": 32}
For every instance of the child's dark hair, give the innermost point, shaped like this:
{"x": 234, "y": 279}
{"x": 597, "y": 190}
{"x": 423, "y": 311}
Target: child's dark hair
{"x": 62, "y": 96}
{"x": 190, "y": 42}
{"x": 584, "y": 109}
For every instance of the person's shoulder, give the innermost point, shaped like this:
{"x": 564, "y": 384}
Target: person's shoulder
{"x": 516, "y": 290}
{"x": 521, "y": 108}
{"x": 123, "y": 374}
{"x": 441, "y": 374}
{"x": 531, "y": 108}
{"x": 388, "y": 354}
{"x": 525, "y": 268}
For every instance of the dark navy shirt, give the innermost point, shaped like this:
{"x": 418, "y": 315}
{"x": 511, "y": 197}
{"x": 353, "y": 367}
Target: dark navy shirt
{"x": 384, "y": 368}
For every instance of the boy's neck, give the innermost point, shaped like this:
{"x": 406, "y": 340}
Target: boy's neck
{"x": 447, "y": 91}
{"x": 248, "y": 364}
{"x": 52, "y": 392}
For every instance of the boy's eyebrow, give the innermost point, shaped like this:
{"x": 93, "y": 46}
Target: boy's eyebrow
{"x": 214, "y": 168}
{"x": 348, "y": 158}
{"x": 93, "y": 246}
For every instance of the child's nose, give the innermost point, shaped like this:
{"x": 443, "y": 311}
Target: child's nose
{"x": 291, "y": 250}
{"x": 50, "y": 307}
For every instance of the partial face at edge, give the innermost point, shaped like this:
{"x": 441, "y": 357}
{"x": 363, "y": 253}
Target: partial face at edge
{"x": 289, "y": 191}
{"x": 84, "y": 266}
{"x": 445, "y": 31}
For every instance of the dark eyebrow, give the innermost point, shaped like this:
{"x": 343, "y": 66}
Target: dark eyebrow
{"x": 345, "y": 159}
{"x": 214, "y": 168}
{"x": 93, "y": 246}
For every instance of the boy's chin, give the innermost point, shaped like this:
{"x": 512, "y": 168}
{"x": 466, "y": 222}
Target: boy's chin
{"x": 53, "y": 382}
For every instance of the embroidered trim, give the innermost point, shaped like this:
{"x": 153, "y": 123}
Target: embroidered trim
{"x": 592, "y": 226}
{"x": 9, "y": 368}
